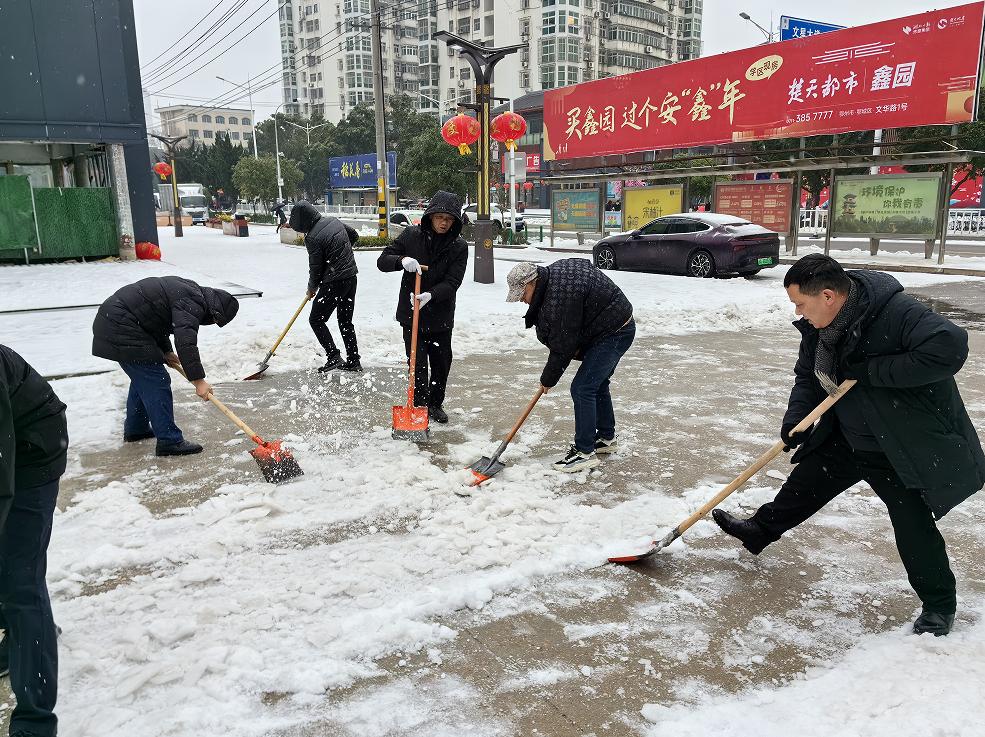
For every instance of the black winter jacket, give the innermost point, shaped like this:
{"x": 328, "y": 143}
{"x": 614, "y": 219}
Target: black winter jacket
{"x": 907, "y": 394}
{"x": 446, "y": 257}
{"x": 574, "y": 306}
{"x": 135, "y": 324}
{"x": 329, "y": 243}
{"x": 33, "y": 433}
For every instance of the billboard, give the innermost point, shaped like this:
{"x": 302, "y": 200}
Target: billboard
{"x": 640, "y": 205}
{"x": 897, "y": 205}
{"x": 765, "y": 203}
{"x": 791, "y": 28}
{"x": 576, "y": 210}
{"x": 358, "y": 170}
{"x": 918, "y": 70}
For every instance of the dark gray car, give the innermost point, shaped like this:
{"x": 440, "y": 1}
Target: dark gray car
{"x": 700, "y": 244}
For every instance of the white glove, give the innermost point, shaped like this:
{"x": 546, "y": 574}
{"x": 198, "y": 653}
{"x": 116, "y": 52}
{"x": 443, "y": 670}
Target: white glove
{"x": 423, "y": 298}
{"x": 410, "y": 264}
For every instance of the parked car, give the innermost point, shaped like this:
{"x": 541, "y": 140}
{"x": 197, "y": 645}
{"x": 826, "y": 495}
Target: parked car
{"x": 699, "y": 244}
{"x": 496, "y": 214}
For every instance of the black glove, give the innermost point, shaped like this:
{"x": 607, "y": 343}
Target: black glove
{"x": 792, "y": 441}
{"x": 858, "y": 370}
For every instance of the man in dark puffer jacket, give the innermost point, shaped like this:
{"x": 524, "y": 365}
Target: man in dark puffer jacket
{"x": 902, "y": 428}
{"x": 33, "y": 445}
{"x": 436, "y": 243}
{"x": 580, "y": 314}
{"x": 331, "y": 281}
{"x": 133, "y": 328}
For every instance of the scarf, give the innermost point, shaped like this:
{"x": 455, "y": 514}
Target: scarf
{"x": 831, "y": 336}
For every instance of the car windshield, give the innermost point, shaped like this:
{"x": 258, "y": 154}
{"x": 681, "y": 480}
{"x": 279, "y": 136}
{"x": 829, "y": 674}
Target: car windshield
{"x": 192, "y": 200}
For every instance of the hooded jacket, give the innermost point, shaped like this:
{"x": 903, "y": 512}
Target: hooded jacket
{"x": 574, "y": 305}
{"x": 446, "y": 257}
{"x": 907, "y": 355}
{"x": 33, "y": 433}
{"x": 135, "y": 324}
{"x": 329, "y": 243}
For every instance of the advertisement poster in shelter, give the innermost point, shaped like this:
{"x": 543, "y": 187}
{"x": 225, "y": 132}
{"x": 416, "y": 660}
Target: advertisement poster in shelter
{"x": 901, "y": 206}
{"x": 576, "y": 210}
{"x": 640, "y": 205}
{"x": 766, "y": 203}
{"x": 919, "y": 70}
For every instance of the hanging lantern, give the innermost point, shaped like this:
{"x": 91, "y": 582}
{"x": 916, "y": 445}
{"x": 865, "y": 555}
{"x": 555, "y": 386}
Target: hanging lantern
{"x": 528, "y": 186}
{"x": 508, "y": 128}
{"x": 461, "y": 131}
{"x": 163, "y": 170}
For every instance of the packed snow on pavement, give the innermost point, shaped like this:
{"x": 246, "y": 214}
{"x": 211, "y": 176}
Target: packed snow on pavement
{"x": 179, "y": 623}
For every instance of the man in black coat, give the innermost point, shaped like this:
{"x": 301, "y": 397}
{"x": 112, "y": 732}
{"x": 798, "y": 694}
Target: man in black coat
{"x": 902, "y": 429}
{"x": 33, "y": 445}
{"x": 331, "y": 281}
{"x": 134, "y": 327}
{"x": 580, "y": 314}
{"x": 281, "y": 217}
{"x": 437, "y": 244}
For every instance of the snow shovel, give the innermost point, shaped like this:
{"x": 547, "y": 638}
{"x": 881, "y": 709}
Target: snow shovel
{"x": 739, "y": 480}
{"x": 485, "y": 468}
{"x": 410, "y": 422}
{"x": 276, "y": 464}
{"x": 265, "y": 363}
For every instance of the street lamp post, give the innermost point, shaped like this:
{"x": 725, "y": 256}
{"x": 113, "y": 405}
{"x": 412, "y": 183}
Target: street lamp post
{"x": 768, "y": 34}
{"x": 280, "y": 181}
{"x": 483, "y": 60}
{"x": 253, "y": 114}
{"x": 307, "y": 129}
{"x": 171, "y": 143}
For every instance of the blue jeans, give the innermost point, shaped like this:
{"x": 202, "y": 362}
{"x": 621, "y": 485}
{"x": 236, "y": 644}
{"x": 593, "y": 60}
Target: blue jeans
{"x": 149, "y": 403}
{"x": 594, "y": 417}
{"x": 25, "y": 610}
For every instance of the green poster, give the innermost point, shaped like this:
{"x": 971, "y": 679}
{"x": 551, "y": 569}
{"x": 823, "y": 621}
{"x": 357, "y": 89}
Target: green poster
{"x": 896, "y": 205}
{"x": 576, "y": 210}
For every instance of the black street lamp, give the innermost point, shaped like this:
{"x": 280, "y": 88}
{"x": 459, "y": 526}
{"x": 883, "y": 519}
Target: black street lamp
{"x": 171, "y": 146}
{"x": 483, "y": 60}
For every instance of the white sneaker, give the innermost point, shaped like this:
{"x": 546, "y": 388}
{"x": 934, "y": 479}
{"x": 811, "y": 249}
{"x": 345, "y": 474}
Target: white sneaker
{"x": 577, "y": 461}
{"x": 603, "y": 446}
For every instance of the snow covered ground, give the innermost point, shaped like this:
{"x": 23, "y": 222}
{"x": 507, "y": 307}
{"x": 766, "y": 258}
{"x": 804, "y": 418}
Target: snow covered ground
{"x": 197, "y": 599}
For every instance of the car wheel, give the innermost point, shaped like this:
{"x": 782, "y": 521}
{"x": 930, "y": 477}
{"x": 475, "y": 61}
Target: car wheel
{"x": 606, "y": 258}
{"x": 701, "y": 265}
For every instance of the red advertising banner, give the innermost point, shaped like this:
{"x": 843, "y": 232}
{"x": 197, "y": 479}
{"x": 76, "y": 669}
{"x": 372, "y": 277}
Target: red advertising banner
{"x": 917, "y": 70}
{"x": 765, "y": 203}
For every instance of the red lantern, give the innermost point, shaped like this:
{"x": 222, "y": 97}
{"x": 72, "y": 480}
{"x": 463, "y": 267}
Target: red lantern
{"x": 148, "y": 250}
{"x": 461, "y": 131}
{"x": 528, "y": 186}
{"x": 508, "y": 128}
{"x": 162, "y": 170}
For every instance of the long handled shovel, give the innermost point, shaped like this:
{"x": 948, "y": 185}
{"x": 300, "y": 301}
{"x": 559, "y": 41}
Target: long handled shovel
{"x": 265, "y": 363}
{"x": 485, "y": 468}
{"x": 739, "y": 480}
{"x": 410, "y": 422}
{"x": 276, "y": 464}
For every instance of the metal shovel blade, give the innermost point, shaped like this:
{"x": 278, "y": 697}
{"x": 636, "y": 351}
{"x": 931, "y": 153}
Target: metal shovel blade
{"x": 485, "y": 468}
{"x": 263, "y": 367}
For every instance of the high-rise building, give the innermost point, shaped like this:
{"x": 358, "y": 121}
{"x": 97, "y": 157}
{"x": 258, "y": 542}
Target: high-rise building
{"x": 328, "y": 66}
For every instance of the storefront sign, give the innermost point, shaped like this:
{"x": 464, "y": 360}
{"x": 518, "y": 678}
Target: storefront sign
{"x": 359, "y": 171}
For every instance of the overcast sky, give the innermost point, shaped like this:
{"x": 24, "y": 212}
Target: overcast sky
{"x": 159, "y": 24}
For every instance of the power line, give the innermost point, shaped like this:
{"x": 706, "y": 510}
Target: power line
{"x": 183, "y": 35}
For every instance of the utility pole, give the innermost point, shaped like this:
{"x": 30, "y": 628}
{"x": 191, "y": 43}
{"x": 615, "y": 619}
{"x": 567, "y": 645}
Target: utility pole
{"x": 379, "y": 105}
{"x": 171, "y": 143}
{"x": 307, "y": 129}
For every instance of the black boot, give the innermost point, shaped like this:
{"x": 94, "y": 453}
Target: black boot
{"x": 331, "y": 364}
{"x": 437, "y": 414}
{"x": 351, "y": 364}
{"x": 183, "y": 448}
{"x": 933, "y": 622}
{"x": 752, "y": 536}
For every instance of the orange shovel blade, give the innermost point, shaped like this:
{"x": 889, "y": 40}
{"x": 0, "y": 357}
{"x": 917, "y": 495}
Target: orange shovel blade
{"x": 410, "y": 422}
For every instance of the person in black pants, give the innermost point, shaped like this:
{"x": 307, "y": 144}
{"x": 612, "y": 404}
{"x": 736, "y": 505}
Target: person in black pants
{"x": 33, "y": 447}
{"x": 331, "y": 282}
{"x": 902, "y": 428}
{"x": 134, "y": 327}
{"x": 437, "y": 244}
{"x": 281, "y": 217}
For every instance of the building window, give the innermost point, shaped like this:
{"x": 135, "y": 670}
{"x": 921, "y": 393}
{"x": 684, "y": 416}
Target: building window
{"x": 233, "y": 120}
{"x": 207, "y": 134}
{"x": 550, "y": 24}
{"x": 193, "y": 133}
{"x": 234, "y": 135}
{"x": 206, "y": 118}
{"x": 246, "y": 121}
{"x": 477, "y": 24}
{"x": 193, "y": 118}
{"x": 548, "y": 51}
{"x": 220, "y": 120}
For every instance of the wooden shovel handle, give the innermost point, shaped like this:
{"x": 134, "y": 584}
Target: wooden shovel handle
{"x": 525, "y": 415}
{"x": 766, "y": 457}
{"x": 228, "y": 412}
{"x": 290, "y": 324}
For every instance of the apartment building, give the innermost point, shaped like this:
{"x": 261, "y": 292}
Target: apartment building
{"x": 328, "y": 66}
{"x": 201, "y": 125}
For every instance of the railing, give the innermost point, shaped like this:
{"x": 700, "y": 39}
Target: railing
{"x": 813, "y": 221}
{"x": 966, "y": 222}
{"x": 349, "y": 209}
